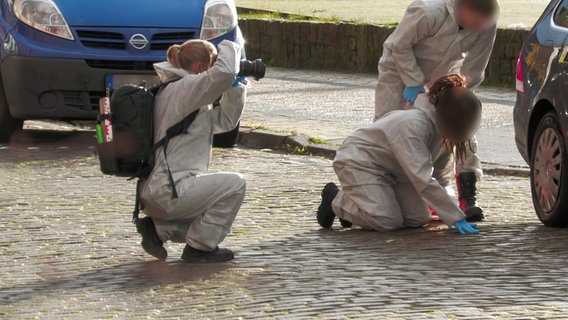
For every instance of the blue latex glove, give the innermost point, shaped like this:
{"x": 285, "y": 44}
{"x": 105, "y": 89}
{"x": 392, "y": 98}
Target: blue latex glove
{"x": 238, "y": 81}
{"x": 465, "y": 227}
{"x": 410, "y": 93}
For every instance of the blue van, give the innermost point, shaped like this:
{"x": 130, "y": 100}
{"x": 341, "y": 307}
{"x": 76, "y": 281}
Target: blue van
{"x": 58, "y": 57}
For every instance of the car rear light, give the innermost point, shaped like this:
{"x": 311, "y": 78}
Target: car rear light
{"x": 520, "y": 77}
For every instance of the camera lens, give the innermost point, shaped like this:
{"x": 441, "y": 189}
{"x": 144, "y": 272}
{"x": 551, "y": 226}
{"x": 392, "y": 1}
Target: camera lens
{"x": 255, "y": 69}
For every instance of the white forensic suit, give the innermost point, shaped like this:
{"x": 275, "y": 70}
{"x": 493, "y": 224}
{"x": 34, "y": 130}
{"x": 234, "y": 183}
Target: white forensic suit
{"x": 207, "y": 204}
{"x": 389, "y": 170}
{"x": 428, "y": 44}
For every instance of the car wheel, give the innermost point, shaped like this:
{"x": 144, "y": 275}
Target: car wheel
{"x": 8, "y": 124}
{"x": 227, "y": 139}
{"x": 549, "y": 179}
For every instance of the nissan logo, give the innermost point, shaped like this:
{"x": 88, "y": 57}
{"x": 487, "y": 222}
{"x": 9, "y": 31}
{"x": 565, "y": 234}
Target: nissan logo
{"x": 138, "y": 41}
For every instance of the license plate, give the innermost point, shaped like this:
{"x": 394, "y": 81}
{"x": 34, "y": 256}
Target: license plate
{"x": 117, "y": 80}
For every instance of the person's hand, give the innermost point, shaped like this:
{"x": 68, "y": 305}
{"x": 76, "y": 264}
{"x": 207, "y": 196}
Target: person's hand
{"x": 465, "y": 227}
{"x": 238, "y": 81}
{"x": 410, "y": 93}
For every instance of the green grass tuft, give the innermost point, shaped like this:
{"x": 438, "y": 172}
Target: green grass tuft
{"x": 316, "y": 140}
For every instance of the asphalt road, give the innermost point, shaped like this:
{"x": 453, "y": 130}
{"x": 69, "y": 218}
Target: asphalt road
{"x": 348, "y": 99}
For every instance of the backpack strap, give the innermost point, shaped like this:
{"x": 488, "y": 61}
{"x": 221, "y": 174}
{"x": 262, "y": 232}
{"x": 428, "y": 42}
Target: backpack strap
{"x": 172, "y": 132}
{"x": 137, "y": 204}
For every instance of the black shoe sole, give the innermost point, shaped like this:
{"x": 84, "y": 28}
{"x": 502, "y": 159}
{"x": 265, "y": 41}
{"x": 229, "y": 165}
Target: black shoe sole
{"x": 191, "y": 255}
{"x": 345, "y": 223}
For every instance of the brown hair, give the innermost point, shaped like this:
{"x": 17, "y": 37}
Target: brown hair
{"x": 485, "y": 7}
{"x": 443, "y": 84}
{"x": 185, "y": 55}
{"x": 451, "y": 93}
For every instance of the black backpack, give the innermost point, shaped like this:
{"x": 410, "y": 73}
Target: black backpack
{"x": 125, "y": 133}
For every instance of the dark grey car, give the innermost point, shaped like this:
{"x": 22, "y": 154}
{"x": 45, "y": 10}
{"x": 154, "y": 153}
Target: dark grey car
{"x": 541, "y": 112}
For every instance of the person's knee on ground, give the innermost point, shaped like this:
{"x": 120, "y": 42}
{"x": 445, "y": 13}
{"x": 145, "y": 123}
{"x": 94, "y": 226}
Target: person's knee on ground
{"x": 415, "y": 213}
{"x": 348, "y": 210}
{"x": 417, "y": 222}
{"x": 369, "y": 221}
{"x": 386, "y": 224}
{"x": 417, "y": 217}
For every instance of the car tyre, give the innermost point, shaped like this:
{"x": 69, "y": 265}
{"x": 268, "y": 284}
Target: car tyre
{"x": 8, "y": 124}
{"x": 549, "y": 176}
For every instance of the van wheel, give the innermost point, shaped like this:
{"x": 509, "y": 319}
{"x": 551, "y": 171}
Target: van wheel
{"x": 8, "y": 124}
{"x": 227, "y": 139}
{"x": 549, "y": 179}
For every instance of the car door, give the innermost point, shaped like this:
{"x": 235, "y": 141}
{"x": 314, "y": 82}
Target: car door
{"x": 558, "y": 67}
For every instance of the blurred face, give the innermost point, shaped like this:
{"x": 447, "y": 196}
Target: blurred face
{"x": 472, "y": 20}
{"x": 459, "y": 114}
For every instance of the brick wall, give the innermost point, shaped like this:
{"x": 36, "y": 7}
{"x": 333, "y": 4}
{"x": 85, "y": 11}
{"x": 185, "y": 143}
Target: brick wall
{"x": 352, "y": 47}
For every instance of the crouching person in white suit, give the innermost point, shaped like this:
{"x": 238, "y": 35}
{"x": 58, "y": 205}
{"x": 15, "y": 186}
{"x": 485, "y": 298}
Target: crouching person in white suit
{"x": 391, "y": 169}
{"x": 206, "y": 204}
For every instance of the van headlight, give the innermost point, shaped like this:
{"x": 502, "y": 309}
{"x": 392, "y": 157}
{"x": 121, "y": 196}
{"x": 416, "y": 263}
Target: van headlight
{"x": 219, "y": 18}
{"x": 43, "y": 15}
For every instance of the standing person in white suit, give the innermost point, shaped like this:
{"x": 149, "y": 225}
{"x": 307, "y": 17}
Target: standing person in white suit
{"x": 206, "y": 206}
{"x": 435, "y": 38}
{"x": 391, "y": 169}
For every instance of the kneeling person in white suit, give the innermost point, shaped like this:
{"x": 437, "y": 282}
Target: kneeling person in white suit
{"x": 391, "y": 169}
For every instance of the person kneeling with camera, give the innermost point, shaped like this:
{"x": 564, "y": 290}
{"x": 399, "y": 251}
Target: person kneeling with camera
{"x": 205, "y": 205}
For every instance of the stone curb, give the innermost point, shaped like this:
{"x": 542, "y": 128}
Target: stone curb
{"x": 265, "y": 139}
{"x": 294, "y": 143}
{"x": 501, "y": 170}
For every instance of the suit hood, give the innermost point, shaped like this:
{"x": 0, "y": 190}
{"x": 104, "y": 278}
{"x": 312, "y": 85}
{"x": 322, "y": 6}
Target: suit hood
{"x": 166, "y": 72}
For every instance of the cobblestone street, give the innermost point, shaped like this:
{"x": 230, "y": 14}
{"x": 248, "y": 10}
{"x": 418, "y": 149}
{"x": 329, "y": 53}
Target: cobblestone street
{"x": 68, "y": 249}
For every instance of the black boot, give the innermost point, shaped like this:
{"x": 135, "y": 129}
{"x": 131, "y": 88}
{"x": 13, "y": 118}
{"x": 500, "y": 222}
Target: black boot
{"x": 468, "y": 197}
{"x": 197, "y": 256}
{"x": 345, "y": 223}
{"x": 151, "y": 243}
{"x": 325, "y": 214}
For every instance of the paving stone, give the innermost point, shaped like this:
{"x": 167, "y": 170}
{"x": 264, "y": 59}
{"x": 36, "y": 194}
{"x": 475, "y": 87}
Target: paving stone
{"x": 69, "y": 251}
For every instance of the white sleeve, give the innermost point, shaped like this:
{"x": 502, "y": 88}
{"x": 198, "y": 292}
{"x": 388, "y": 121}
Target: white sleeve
{"x": 416, "y": 25}
{"x": 477, "y": 58}
{"x": 195, "y": 91}
{"x": 411, "y": 151}
{"x": 227, "y": 115}
{"x": 444, "y": 168}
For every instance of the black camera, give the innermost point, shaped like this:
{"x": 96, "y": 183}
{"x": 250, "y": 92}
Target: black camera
{"x": 255, "y": 69}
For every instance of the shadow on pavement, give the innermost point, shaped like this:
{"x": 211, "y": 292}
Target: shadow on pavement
{"x": 47, "y": 145}
{"x": 125, "y": 276}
